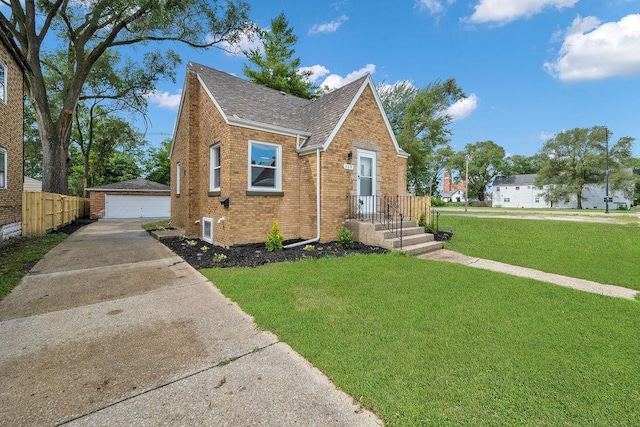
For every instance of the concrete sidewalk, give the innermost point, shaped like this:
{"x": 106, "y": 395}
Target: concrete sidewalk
{"x": 112, "y": 328}
{"x": 569, "y": 282}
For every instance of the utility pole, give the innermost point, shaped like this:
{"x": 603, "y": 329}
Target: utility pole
{"x": 466, "y": 183}
{"x": 606, "y": 184}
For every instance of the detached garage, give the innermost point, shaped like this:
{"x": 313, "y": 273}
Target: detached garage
{"x": 137, "y": 198}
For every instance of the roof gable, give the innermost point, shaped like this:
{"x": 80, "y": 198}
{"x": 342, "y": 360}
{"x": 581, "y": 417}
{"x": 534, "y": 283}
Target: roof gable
{"x": 133, "y": 185}
{"x": 12, "y": 47}
{"x": 247, "y": 104}
{"x": 525, "y": 179}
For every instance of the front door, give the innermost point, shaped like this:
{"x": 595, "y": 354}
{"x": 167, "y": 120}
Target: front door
{"x": 366, "y": 181}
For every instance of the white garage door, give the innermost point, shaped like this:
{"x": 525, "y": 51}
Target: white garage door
{"x": 120, "y": 206}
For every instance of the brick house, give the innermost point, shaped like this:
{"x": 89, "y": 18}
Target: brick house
{"x": 244, "y": 156}
{"x": 12, "y": 68}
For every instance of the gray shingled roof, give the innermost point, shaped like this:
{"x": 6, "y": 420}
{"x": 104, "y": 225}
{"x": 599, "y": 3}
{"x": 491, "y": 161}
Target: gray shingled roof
{"x": 242, "y": 99}
{"x": 526, "y": 179}
{"x": 133, "y": 185}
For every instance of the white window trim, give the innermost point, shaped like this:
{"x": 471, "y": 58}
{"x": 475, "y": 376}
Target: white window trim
{"x": 178, "y": 173}
{"x": 212, "y": 169}
{"x": 278, "y": 186}
{"x": 3, "y": 185}
{"x": 208, "y": 239}
{"x": 4, "y": 83}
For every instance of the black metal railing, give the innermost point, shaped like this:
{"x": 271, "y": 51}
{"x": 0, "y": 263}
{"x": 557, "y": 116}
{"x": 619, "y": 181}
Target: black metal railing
{"x": 390, "y": 211}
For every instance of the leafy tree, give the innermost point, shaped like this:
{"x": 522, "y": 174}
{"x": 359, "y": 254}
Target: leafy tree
{"x": 486, "y": 161}
{"x": 159, "y": 164}
{"x": 634, "y": 164}
{"x": 277, "y": 68}
{"x": 420, "y": 122}
{"x": 99, "y": 135}
{"x": 521, "y": 165}
{"x": 32, "y": 145}
{"x": 85, "y": 31}
{"x": 576, "y": 158}
{"x": 395, "y": 101}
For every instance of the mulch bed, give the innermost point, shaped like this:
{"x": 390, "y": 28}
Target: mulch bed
{"x": 254, "y": 255}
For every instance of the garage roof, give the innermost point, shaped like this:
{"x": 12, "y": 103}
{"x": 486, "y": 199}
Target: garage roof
{"x": 140, "y": 185}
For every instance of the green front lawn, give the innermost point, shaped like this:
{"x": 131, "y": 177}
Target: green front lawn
{"x": 429, "y": 343}
{"x": 20, "y": 254}
{"x": 605, "y": 253}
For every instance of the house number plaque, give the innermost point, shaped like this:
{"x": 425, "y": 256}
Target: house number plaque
{"x": 348, "y": 167}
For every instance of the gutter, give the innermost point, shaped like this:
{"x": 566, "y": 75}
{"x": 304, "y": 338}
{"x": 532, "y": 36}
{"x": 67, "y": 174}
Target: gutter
{"x": 317, "y": 238}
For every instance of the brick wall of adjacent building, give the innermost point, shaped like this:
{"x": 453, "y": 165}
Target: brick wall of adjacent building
{"x": 249, "y": 218}
{"x": 11, "y": 139}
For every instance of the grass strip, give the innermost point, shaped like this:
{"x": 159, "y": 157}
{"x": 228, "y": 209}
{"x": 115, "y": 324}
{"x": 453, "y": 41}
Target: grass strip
{"x": 20, "y": 255}
{"x": 428, "y": 343}
{"x": 604, "y": 253}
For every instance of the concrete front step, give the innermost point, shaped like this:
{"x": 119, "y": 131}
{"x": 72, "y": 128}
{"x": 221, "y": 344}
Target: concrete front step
{"x": 422, "y": 248}
{"x": 408, "y": 231}
{"x": 405, "y": 224}
{"x": 413, "y": 239}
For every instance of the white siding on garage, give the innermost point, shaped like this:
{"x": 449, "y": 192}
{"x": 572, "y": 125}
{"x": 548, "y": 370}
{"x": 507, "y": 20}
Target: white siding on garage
{"x": 137, "y": 206}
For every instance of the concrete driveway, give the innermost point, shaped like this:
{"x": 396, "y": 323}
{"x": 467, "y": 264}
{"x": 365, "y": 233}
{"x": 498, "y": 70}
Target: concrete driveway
{"x": 112, "y": 328}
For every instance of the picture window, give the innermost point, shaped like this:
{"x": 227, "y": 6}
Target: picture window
{"x": 265, "y": 166}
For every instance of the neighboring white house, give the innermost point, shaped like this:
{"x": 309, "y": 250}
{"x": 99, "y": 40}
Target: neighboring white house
{"x": 31, "y": 184}
{"x": 519, "y": 191}
{"x": 454, "y": 196}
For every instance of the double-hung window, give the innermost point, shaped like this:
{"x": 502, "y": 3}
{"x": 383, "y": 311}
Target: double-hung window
{"x": 214, "y": 167}
{"x": 3, "y": 168}
{"x": 3, "y": 82}
{"x": 265, "y": 166}
{"x": 178, "y": 173}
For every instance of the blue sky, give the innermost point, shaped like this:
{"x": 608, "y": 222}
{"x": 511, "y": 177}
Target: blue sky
{"x": 530, "y": 68}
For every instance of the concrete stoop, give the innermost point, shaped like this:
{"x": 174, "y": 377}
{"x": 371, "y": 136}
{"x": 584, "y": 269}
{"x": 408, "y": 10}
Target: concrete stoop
{"x": 415, "y": 241}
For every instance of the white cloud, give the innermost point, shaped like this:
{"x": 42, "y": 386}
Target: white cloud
{"x": 335, "y": 81}
{"x": 594, "y": 51}
{"x": 385, "y": 88}
{"x": 463, "y": 107}
{"x": 329, "y": 27}
{"x": 317, "y": 71}
{"x": 247, "y": 41}
{"x": 165, "y": 99}
{"x": 505, "y": 11}
{"x": 435, "y": 7}
{"x": 545, "y": 136}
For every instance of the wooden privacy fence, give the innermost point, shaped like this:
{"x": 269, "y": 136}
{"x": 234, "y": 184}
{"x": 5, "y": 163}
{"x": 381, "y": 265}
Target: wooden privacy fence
{"x": 45, "y": 212}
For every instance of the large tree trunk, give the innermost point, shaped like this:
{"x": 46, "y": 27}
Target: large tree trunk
{"x": 579, "y": 198}
{"x": 55, "y": 154}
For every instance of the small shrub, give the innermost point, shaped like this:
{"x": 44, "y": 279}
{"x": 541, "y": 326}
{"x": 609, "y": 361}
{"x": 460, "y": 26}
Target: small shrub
{"x": 308, "y": 248}
{"x": 219, "y": 257}
{"x": 183, "y": 237}
{"x": 422, "y": 222}
{"x": 204, "y": 249}
{"x": 437, "y": 202}
{"x": 344, "y": 238}
{"x": 274, "y": 238}
{"x": 192, "y": 243}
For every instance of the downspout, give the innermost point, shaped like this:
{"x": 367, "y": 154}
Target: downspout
{"x": 315, "y": 239}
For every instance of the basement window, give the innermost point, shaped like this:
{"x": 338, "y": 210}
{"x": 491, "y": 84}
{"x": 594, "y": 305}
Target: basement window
{"x": 507, "y": 199}
{"x": 207, "y": 230}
